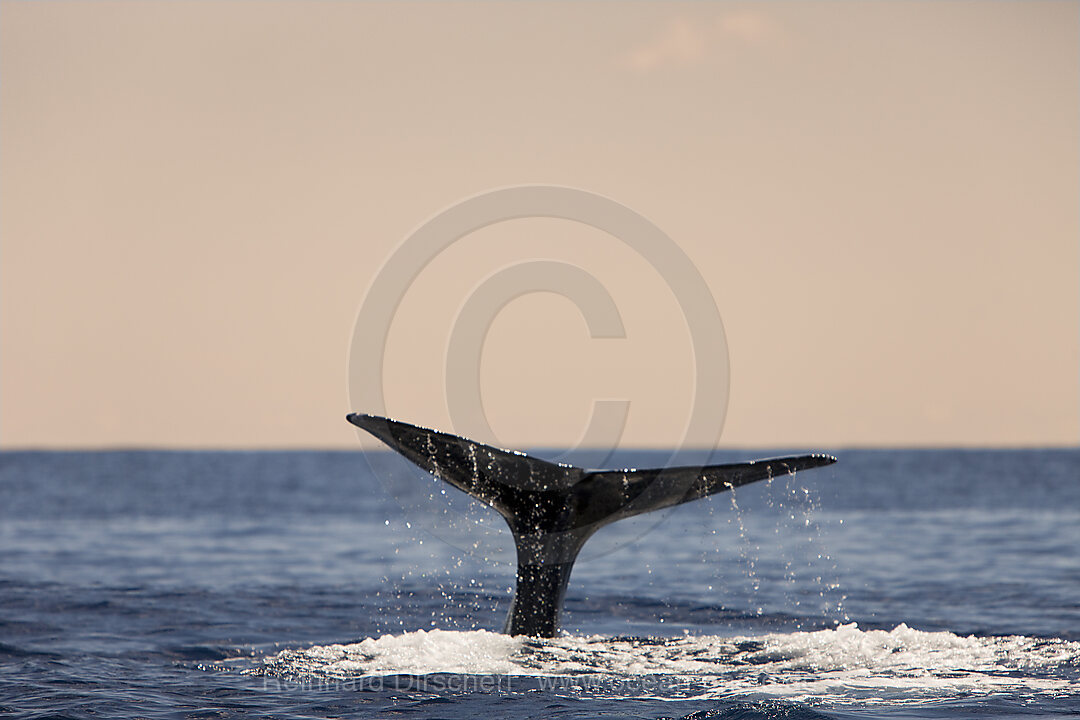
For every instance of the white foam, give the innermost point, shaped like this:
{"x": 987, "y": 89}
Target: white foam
{"x": 841, "y": 664}
{"x": 422, "y": 652}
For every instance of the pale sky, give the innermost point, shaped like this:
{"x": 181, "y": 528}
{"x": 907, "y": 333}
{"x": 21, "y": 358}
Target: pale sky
{"x": 882, "y": 197}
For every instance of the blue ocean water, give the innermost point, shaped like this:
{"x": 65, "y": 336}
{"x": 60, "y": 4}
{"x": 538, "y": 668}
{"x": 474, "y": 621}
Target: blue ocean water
{"x": 896, "y": 583}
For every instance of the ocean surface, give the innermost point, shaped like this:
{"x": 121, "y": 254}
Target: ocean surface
{"x": 894, "y": 584}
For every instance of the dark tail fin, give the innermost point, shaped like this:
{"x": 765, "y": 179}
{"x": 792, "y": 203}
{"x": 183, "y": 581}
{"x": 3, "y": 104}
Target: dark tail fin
{"x": 552, "y": 509}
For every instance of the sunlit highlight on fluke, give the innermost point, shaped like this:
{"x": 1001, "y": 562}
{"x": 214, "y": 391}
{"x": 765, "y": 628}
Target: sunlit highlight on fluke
{"x": 553, "y": 508}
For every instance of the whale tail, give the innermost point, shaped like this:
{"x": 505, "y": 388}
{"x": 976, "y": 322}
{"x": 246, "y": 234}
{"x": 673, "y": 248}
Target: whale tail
{"x": 553, "y": 508}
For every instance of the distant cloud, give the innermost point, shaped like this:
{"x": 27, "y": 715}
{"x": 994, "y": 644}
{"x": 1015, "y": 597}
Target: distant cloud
{"x": 684, "y": 43}
{"x": 748, "y": 25}
{"x": 680, "y": 42}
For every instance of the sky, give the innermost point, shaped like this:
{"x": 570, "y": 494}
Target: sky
{"x": 881, "y": 200}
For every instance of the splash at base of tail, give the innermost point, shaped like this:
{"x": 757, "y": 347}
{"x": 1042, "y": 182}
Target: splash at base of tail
{"x": 553, "y": 508}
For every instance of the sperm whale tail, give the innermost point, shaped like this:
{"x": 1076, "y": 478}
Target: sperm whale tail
{"x": 553, "y": 508}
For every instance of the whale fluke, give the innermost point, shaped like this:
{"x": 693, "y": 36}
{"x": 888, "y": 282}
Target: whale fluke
{"x": 553, "y": 508}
